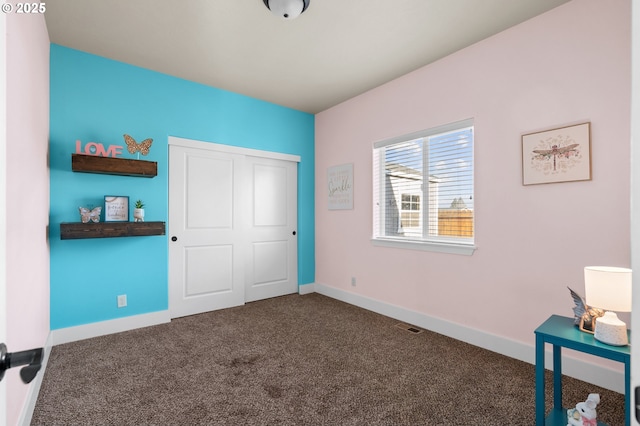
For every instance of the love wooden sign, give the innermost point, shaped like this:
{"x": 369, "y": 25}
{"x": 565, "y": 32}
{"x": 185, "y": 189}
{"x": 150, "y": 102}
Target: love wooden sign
{"x": 98, "y": 149}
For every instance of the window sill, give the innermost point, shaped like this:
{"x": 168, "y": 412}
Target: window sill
{"x": 451, "y": 248}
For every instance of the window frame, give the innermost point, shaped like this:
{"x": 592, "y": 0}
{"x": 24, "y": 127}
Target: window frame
{"x": 440, "y": 244}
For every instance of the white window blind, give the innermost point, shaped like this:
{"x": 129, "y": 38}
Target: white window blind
{"x": 423, "y": 186}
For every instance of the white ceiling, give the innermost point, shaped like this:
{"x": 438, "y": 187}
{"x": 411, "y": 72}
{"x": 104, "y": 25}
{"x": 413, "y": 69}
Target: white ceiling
{"x": 334, "y": 51}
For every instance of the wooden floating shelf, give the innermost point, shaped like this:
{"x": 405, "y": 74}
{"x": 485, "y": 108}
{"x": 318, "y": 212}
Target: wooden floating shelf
{"x": 113, "y": 166}
{"x": 75, "y": 231}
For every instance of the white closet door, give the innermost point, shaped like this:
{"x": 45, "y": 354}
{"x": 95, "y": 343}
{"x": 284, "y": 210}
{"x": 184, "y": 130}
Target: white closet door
{"x": 206, "y": 247}
{"x": 271, "y": 268}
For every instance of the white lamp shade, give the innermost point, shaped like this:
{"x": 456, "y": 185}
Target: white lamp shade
{"x": 288, "y": 9}
{"x": 608, "y": 288}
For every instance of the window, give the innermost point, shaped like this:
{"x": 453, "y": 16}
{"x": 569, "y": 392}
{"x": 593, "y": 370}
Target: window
{"x": 410, "y": 214}
{"x": 423, "y": 190}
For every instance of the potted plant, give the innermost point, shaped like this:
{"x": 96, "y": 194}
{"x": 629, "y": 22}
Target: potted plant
{"x": 138, "y": 211}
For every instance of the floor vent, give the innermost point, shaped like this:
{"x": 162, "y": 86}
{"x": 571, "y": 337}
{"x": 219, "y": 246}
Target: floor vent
{"x": 409, "y": 328}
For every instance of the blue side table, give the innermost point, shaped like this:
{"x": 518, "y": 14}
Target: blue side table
{"x": 561, "y": 332}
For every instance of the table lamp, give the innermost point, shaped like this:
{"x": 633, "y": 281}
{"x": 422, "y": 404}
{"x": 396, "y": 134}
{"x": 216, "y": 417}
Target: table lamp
{"x": 609, "y": 288}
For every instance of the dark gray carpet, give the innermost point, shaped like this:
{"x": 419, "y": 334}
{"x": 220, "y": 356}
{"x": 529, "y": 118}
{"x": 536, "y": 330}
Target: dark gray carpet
{"x": 293, "y": 360}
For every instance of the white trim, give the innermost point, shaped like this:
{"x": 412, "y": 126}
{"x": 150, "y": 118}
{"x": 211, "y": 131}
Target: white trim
{"x": 579, "y": 369}
{"x": 191, "y": 143}
{"x": 3, "y": 206}
{"x": 635, "y": 203}
{"x": 306, "y": 288}
{"x": 34, "y": 387}
{"x": 102, "y": 328}
{"x": 450, "y": 248}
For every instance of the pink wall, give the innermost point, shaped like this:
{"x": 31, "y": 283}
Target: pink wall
{"x": 27, "y": 194}
{"x": 567, "y": 66}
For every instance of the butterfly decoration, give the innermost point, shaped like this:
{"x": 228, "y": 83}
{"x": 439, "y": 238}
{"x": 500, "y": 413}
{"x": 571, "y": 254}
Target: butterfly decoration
{"x": 133, "y": 146}
{"x": 90, "y": 215}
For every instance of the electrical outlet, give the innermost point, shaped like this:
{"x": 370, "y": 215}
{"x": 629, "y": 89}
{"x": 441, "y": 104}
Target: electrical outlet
{"x": 122, "y": 301}
{"x": 353, "y": 281}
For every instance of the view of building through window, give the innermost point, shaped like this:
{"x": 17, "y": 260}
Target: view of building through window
{"x": 441, "y": 206}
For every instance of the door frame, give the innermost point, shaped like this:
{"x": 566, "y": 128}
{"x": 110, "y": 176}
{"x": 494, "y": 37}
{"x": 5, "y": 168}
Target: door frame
{"x": 228, "y": 149}
{"x": 635, "y": 199}
{"x": 3, "y": 204}
{"x": 212, "y": 146}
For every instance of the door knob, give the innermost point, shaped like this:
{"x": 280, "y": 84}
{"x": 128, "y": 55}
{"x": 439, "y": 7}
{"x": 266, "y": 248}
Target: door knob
{"x": 294, "y": 232}
{"x": 31, "y": 358}
{"x": 174, "y": 238}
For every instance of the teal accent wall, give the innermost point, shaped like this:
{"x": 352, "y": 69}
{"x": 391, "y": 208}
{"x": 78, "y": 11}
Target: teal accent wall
{"x": 94, "y": 99}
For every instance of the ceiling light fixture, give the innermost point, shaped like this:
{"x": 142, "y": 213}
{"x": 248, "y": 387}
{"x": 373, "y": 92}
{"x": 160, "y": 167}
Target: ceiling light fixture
{"x": 287, "y": 9}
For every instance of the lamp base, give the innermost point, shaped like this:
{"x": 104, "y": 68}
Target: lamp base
{"x": 610, "y": 330}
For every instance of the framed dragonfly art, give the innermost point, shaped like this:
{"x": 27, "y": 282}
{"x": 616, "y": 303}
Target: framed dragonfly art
{"x": 557, "y": 155}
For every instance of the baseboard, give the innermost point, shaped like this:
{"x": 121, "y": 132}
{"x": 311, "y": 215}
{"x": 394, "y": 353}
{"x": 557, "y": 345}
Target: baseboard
{"x": 577, "y": 368}
{"x": 87, "y": 331}
{"x": 306, "y": 288}
{"x": 34, "y": 386}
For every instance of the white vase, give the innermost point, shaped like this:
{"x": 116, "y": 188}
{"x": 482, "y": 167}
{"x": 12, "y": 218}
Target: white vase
{"x": 138, "y": 215}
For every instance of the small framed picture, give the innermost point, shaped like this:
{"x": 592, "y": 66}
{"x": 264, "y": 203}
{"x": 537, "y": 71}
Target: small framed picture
{"x": 557, "y": 155}
{"x": 340, "y": 185}
{"x": 116, "y": 208}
